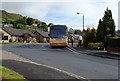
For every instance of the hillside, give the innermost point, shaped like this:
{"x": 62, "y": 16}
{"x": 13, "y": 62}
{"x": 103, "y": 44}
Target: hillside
{"x": 21, "y": 22}
{"x": 7, "y": 17}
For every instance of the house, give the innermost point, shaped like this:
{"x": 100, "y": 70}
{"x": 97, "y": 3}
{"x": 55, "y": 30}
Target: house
{"x": 41, "y": 36}
{"x": 4, "y": 36}
{"x": 16, "y": 35}
{"x": 6, "y": 25}
{"x": 118, "y": 33}
{"x": 33, "y": 28}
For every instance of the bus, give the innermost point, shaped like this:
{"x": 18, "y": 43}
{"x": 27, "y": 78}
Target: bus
{"x": 58, "y": 35}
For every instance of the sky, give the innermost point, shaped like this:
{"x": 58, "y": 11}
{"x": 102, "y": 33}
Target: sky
{"x": 64, "y": 11}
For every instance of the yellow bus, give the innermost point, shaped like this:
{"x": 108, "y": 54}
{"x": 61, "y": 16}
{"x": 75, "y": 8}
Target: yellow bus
{"x": 58, "y": 35}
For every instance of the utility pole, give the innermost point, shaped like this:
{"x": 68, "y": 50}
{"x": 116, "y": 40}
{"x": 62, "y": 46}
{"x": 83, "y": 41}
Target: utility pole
{"x": 83, "y": 20}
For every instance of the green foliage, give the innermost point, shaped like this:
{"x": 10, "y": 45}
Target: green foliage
{"x": 20, "y": 39}
{"x": 105, "y": 41}
{"x": 50, "y": 24}
{"x": 114, "y": 42}
{"x": 20, "y": 26}
{"x": 8, "y": 17}
{"x": 10, "y": 40}
{"x": 100, "y": 32}
{"x": 106, "y": 27}
{"x": 44, "y": 26}
{"x": 90, "y": 36}
{"x": 0, "y": 19}
{"x": 11, "y": 75}
{"x": 96, "y": 45}
{"x": 22, "y": 22}
{"x": 37, "y": 21}
{"x": 77, "y": 32}
{"x": 30, "y": 21}
{"x": 71, "y": 31}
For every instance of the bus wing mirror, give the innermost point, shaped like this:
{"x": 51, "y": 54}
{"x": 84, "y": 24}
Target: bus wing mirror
{"x": 49, "y": 35}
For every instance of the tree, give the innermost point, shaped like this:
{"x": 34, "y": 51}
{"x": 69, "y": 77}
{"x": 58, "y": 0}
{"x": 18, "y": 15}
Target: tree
{"x": 86, "y": 38}
{"x": 50, "y": 24}
{"x": 44, "y": 26}
{"x": 108, "y": 23}
{"x": 30, "y": 21}
{"x": 14, "y": 24}
{"x": 20, "y": 26}
{"x": 100, "y": 32}
{"x": 22, "y": 21}
{"x": 90, "y": 36}
{"x": 77, "y": 32}
{"x": 37, "y": 21}
{"x": 93, "y": 35}
{"x": 71, "y": 31}
{"x": 106, "y": 26}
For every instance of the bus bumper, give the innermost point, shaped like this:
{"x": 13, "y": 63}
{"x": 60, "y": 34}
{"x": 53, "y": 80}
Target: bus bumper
{"x": 58, "y": 44}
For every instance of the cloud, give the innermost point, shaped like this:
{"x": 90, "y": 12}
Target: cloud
{"x": 68, "y": 12}
{"x": 32, "y": 9}
{"x": 27, "y": 0}
{"x": 64, "y": 11}
{"x": 93, "y": 11}
{"x": 38, "y": 10}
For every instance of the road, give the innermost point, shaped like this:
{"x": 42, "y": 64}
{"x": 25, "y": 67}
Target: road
{"x": 87, "y": 66}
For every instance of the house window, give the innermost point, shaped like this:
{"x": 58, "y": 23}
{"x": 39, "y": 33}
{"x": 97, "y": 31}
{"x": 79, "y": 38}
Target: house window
{"x": 5, "y": 38}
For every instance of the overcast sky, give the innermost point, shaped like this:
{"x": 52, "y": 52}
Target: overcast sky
{"x": 64, "y": 11}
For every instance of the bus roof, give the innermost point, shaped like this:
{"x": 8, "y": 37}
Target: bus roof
{"x": 58, "y": 26}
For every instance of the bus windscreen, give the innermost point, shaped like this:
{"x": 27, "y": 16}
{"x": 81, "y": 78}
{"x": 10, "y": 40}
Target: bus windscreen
{"x": 58, "y": 32}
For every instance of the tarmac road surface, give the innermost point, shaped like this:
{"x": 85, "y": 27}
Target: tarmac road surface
{"x": 87, "y": 66}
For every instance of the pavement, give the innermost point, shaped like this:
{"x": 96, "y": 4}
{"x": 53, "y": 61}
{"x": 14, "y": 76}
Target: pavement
{"x": 94, "y": 52}
{"x": 30, "y": 70}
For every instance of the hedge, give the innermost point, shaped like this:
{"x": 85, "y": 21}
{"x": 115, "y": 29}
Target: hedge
{"x": 114, "y": 42}
{"x": 96, "y": 45}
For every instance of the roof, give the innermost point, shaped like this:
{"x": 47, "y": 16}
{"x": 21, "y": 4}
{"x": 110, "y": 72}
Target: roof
{"x": 16, "y": 32}
{"x": 58, "y": 26}
{"x": 44, "y": 34}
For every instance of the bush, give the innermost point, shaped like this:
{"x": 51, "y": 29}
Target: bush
{"x": 97, "y": 45}
{"x": 20, "y": 39}
{"x": 10, "y": 40}
{"x": 21, "y": 26}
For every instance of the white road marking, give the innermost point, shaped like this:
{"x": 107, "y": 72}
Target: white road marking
{"x": 72, "y": 51}
{"x": 68, "y": 73}
{"x": 29, "y": 61}
{"x": 50, "y": 49}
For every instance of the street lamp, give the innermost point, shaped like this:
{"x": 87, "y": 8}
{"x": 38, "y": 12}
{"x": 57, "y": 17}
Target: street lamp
{"x": 83, "y": 20}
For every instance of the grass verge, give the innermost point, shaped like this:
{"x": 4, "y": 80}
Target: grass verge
{"x": 10, "y": 75}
